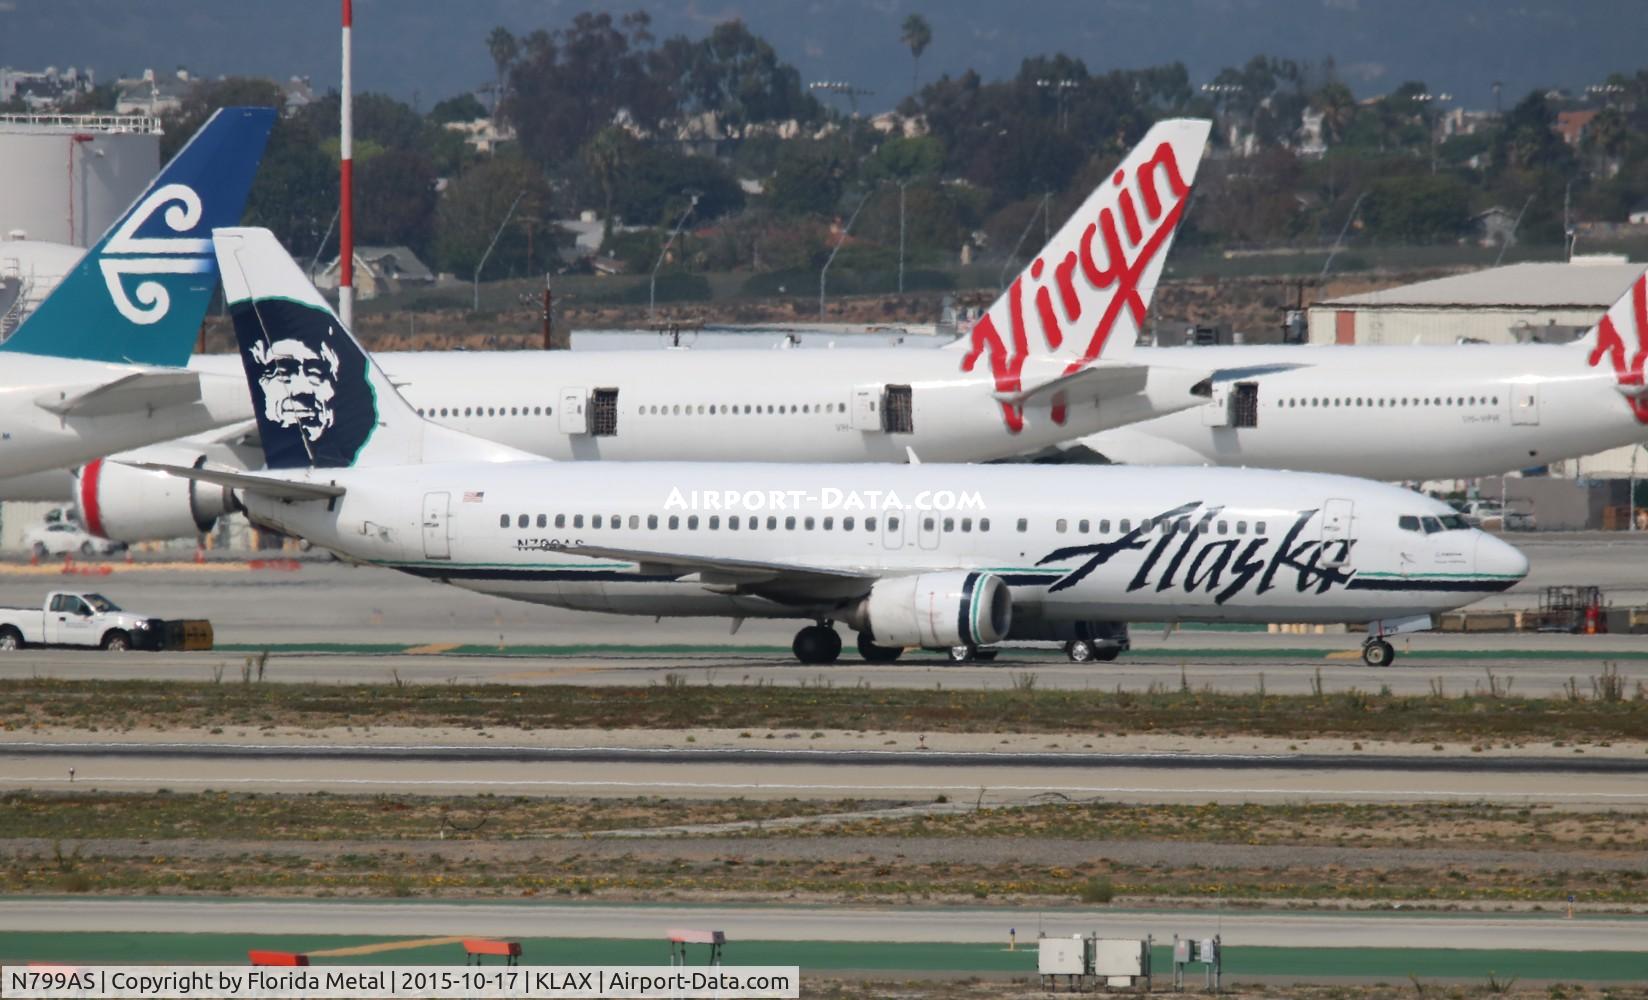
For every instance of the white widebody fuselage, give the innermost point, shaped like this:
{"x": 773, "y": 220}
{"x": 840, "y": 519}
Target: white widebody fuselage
{"x": 1393, "y": 413}
{"x": 838, "y": 405}
{"x": 1072, "y": 543}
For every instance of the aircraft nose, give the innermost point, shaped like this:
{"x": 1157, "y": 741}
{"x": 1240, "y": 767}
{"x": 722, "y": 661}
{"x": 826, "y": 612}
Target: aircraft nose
{"x": 1498, "y": 559}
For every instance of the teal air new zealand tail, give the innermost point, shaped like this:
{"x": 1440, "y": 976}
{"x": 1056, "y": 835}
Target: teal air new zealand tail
{"x": 139, "y": 294}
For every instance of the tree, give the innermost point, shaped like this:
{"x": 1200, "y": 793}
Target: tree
{"x": 504, "y": 49}
{"x": 462, "y": 108}
{"x": 736, "y": 75}
{"x": 809, "y": 178}
{"x": 605, "y": 156}
{"x": 474, "y": 205}
{"x": 917, "y": 34}
{"x": 1338, "y": 107}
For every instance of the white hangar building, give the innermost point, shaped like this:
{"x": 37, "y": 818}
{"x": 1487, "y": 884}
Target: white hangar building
{"x": 1536, "y": 301}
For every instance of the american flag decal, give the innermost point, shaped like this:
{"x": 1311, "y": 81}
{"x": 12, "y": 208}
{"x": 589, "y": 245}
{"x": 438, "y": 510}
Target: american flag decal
{"x": 474, "y": 496}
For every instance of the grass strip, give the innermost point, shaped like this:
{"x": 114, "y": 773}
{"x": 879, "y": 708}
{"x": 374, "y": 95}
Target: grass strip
{"x": 1604, "y": 710}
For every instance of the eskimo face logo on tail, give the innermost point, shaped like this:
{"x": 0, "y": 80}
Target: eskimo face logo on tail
{"x": 126, "y": 253}
{"x": 1628, "y": 368}
{"x": 1093, "y": 284}
{"x": 309, "y": 385}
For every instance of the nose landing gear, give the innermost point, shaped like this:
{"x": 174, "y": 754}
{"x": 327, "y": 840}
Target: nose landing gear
{"x": 1378, "y": 653}
{"x": 817, "y": 644}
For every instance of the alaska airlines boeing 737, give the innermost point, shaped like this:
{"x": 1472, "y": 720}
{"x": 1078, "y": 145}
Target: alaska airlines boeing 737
{"x": 935, "y": 556}
{"x": 80, "y": 377}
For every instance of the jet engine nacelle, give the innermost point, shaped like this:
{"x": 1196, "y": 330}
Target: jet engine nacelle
{"x": 124, "y": 504}
{"x": 937, "y": 610}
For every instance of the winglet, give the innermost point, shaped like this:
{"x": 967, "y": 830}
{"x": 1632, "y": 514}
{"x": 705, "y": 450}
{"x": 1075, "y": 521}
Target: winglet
{"x": 140, "y": 293}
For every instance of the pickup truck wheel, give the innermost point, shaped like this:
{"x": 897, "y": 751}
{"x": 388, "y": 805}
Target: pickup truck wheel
{"x": 87, "y": 548}
{"x": 11, "y": 640}
{"x": 39, "y": 549}
{"x": 117, "y": 641}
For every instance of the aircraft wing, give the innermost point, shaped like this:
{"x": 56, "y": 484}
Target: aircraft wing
{"x": 251, "y": 482}
{"x": 780, "y": 581}
{"x": 1093, "y": 381}
{"x": 138, "y": 392}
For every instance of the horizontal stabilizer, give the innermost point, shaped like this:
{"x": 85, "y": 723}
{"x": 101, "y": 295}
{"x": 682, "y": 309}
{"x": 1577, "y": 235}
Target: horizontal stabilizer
{"x": 138, "y": 392}
{"x": 251, "y": 482}
{"x": 1095, "y": 381}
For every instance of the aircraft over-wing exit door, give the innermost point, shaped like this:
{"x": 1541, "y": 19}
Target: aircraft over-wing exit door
{"x": 436, "y": 511}
{"x": 1525, "y": 404}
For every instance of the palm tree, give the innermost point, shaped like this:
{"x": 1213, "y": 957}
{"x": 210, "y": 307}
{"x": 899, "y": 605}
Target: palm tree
{"x": 917, "y": 34}
{"x": 1338, "y": 106}
{"x": 605, "y": 156}
{"x": 504, "y": 49}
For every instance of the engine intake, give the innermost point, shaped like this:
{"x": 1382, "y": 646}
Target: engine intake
{"x": 937, "y": 610}
{"x": 124, "y": 504}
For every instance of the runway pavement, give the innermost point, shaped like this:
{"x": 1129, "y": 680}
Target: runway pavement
{"x": 965, "y": 778}
{"x": 833, "y": 923}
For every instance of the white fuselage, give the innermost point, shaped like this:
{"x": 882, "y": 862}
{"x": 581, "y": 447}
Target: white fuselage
{"x": 748, "y": 406}
{"x": 1392, "y": 413}
{"x": 33, "y": 438}
{"x": 1073, "y": 543}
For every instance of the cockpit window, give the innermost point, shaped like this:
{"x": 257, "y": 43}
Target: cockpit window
{"x": 1408, "y": 522}
{"x": 1432, "y": 525}
{"x": 1455, "y": 522}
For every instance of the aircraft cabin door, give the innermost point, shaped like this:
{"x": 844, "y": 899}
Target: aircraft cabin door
{"x": 1337, "y": 517}
{"x": 1525, "y": 404}
{"x": 573, "y": 418}
{"x": 865, "y": 417}
{"x": 927, "y": 533}
{"x": 436, "y": 515}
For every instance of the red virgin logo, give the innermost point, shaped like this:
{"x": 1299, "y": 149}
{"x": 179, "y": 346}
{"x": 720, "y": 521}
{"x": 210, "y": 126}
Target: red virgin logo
{"x": 1628, "y": 374}
{"x": 1110, "y": 258}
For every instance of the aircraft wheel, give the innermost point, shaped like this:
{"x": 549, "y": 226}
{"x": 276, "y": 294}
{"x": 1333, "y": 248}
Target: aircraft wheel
{"x": 817, "y": 644}
{"x": 1378, "y": 653}
{"x": 877, "y": 654}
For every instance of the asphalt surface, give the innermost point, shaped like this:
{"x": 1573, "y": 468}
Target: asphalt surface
{"x": 995, "y": 783}
{"x": 833, "y": 923}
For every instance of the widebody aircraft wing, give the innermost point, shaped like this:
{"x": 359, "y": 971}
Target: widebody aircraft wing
{"x": 137, "y": 392}
{"x": 269, "y": 486}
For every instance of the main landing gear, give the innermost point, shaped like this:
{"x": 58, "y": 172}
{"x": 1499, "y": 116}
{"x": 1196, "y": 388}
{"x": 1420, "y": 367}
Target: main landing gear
{"x": 1089, "y": 650}
{"x": 1377, "y": 652}
{"x": 818, "y": 644}
{"x": 876, "y": 654}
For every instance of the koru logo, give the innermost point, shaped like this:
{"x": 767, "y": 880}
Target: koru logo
{"x": 1183, "y": 555}
{"x": 126, "y": 253}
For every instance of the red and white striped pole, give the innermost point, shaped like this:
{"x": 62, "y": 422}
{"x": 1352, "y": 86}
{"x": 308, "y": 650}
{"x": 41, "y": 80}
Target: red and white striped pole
{"x": 346, "y": 183}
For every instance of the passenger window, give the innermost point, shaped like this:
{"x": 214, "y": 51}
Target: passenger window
{"x": 1061, "y": 525}
{"x": 595, "y": 522}
{"x": 789, "y": 524}
{"x": 892, "y": 524}
{"x": 1082, "y": 526}
{"x": 503, "y": 520}
{"x": 869, "y": 524}
{"x": 966, "y": 524}
{"x": 560, "y": 520}
{"x": 577, "y": 520}
{"x": 1126, "y": 525}
{"x": 829, "y": 522}
{"x": 634, "y": 521}
{"x": 772, "y": 524}
{"x": 1024, "y": 524}
{"x": 652, "y": 522}
{"x": 674, "y": 522}
{"x": 949, "y": 525}
{"x": 1408, "y": 522}
{"x": 1258, "y": 527}
{"x": 1241, "y": 527}
{"x": 732, "y": 523}
{"x": 808, "y": 524}
{"x": 846, "y": 524}
{"x": 1223, "y": 527}
{"x": 715, "y": 522}
{"x": 927, "y": 524}
{"x": 984, "y": 524}
{"x": 692, "y": 522}
{"x": 1104, "y": 526}
{"x": 543, "y": 520}
{"x": 615, "y": 522}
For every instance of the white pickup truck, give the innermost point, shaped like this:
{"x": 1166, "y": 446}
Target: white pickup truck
{"x": 69, "y": 618}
